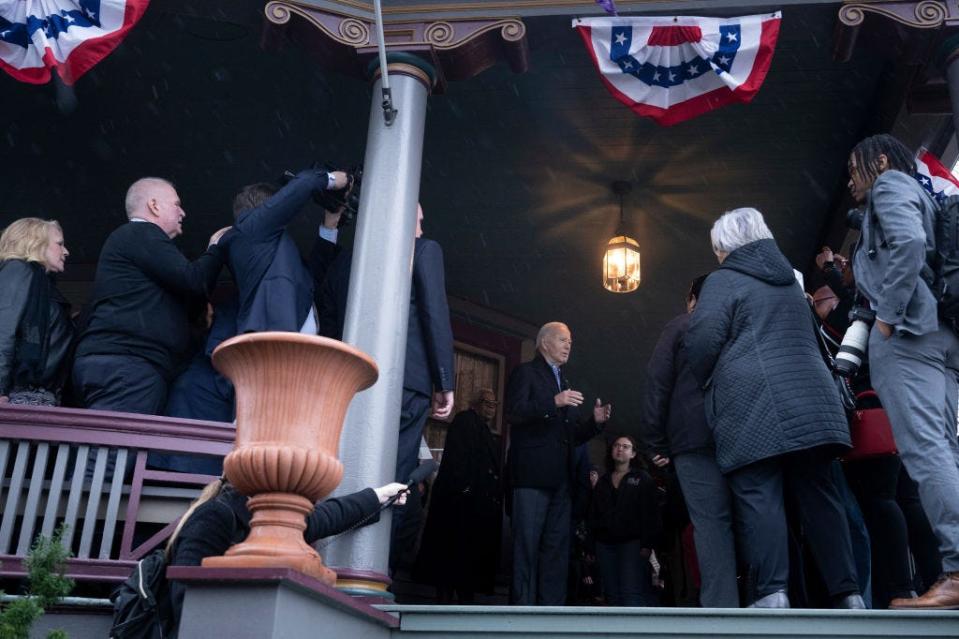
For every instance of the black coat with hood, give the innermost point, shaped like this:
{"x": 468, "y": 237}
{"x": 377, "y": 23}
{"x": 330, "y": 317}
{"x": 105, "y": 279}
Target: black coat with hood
{"x": 751, "y": 343}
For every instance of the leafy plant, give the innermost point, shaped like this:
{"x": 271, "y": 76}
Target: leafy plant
{"x": 46, "y": 585}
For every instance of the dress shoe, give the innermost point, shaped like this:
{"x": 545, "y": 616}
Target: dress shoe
{"x": 778, "y": 599}
{"x": 851, "y": 602}
{"x": 944, "y": 595}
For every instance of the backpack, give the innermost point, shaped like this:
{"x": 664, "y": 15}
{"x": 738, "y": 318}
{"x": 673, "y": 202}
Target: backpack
{"x": 141, "y": 604}
{"x": 944, "y": 264}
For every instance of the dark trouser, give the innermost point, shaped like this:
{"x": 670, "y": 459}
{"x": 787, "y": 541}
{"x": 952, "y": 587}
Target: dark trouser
{"x": 415, "y": 410}
{"x": 710, "y": 509}
{"x": 874, "y": 482}
{"x": 626, "y": 574}
{"x": 761, "y": 518}
{"x": 915, "y": 378}
{"x": 858, "y": 534}
{"x": 540, "y": 525}
{"x": 413, "y": 414}
{"x": 120, "y": 382}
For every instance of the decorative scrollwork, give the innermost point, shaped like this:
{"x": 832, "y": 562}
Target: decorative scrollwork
{"x": 354, "y": 32}
{"x": 930, "y": 14}
{"x": 852, "y": 15}
{"x": 277, "y": 12}
{"x": 927, "y": 14}
{"x": 439, "y": 33}
{"x": 513, "y": 30}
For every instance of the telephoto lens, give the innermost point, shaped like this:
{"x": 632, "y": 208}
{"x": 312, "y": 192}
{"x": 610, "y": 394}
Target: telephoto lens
{"x": 852, "y": 351}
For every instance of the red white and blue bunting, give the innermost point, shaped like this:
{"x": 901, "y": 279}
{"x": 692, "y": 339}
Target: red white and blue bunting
{"x": 673, "y": 69}
{"x": 68, "y": 35}
{"x": 938, "y": 181}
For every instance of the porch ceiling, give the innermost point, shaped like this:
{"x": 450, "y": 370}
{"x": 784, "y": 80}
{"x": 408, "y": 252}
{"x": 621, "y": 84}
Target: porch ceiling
{"x": 516, "y": 167}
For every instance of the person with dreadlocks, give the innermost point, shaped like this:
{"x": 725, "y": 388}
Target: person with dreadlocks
{"x": 219, "y": 518}
{"x": 914, "y": 357}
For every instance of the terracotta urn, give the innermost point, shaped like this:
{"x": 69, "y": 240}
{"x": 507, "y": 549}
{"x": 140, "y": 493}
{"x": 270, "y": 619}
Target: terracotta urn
{"x": 292, "y": 392}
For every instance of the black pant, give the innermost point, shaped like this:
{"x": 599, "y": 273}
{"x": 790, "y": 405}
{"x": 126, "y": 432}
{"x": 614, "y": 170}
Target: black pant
{"x": 120, "y": 382}
{"x": 758, "y": 491}
{"x": 406, "y": 519}
{"x": 540, "y": 525}
{"x": 874, "y": 482}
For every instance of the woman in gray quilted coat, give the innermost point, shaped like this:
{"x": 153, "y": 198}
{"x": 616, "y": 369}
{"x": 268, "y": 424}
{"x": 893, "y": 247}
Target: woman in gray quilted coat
{"x": 773, "y": 409}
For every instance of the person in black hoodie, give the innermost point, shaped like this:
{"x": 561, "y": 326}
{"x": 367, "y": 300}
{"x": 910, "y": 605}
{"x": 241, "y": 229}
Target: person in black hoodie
{"x": 773, "y": 409}
{"x": 219, "y": 518}
{"x": 674, "y": 430}
{"x": 626, "y": 522}
{"x": 36, "y": 332}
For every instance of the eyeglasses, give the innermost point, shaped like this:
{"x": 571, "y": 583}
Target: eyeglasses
{"x": 623, "y": 446}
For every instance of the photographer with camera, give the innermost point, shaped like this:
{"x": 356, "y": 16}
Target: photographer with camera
{"x": 914, "y": 357}
{"x": 275, "y": 286}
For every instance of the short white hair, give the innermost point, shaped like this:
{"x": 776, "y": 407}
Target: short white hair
{"x": 548, "y": 329}
{"x": 140, "y": 191}
{"x": 737, "y": 228}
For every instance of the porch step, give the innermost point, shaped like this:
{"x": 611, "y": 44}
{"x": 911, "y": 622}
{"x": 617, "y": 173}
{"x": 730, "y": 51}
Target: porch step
{"x": 469, "y": 622}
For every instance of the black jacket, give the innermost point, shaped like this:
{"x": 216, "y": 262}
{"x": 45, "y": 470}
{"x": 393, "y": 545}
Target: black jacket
{"x": 142, "y": 294}
{"x": 275, "y": 287}
{"x": 751, "y": 341}
{"x": 225, "y": 520}
{"x": 542, "y": 436}
{"x": 429, "y": 337}
{"x": 17, "y": 279}
{"x": 628, "y": 513}
{"x": 674, "y": 419}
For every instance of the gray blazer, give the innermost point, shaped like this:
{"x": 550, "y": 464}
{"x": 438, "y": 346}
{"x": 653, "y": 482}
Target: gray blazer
{"x": 897, "y": 238}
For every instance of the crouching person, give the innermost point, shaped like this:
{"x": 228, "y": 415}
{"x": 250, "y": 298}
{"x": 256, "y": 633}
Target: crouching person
{"x": 219, "y": 519}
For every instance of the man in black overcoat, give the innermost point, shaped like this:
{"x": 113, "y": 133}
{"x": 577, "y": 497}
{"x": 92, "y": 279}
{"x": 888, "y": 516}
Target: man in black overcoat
{"x": 546, "y": 426}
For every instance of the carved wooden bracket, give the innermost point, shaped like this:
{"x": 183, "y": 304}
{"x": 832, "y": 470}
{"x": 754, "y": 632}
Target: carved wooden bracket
{"x": 459, "y": 49}
{"x": 925, "y": 14}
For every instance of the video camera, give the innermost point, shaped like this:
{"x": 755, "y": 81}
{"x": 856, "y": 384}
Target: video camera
{"x": 346, "y": 200}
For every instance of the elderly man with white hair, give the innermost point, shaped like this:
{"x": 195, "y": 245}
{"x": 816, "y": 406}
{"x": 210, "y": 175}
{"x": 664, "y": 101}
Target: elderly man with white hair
{"x": 547, "y": 425}
{"x": 772, "y": 407}
{"x": 138, "y": 334}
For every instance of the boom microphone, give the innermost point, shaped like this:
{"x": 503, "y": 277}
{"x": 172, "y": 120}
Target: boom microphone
{"x": 422, "y": 471}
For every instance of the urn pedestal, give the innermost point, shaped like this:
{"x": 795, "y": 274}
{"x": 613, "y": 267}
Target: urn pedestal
{"x": 292, "y": 392}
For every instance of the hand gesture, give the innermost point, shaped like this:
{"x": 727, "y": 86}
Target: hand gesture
{"x": 216, "y": 237}
{"x": 568, "y": 398}
{"x": 331, "y": 219}
{"x": 383, "y": 493}
{"x": 602, "y": 412}
{"x": 660, "y": 461}
{"x": 340, "y": 180}
{"x": 442, "y": 404}
{"x": 824, "y": 256}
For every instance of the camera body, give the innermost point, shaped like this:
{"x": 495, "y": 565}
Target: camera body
{"x": 852, "y": 351}
{"x": 854, "y": 218}
{"x": 346, "y": 200}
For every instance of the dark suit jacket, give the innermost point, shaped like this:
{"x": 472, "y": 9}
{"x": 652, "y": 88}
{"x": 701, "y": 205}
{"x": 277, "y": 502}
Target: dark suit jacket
{"x": 429, "y": 340}
{"x": 542, "y": 437}
{"x": 275, "y": 287}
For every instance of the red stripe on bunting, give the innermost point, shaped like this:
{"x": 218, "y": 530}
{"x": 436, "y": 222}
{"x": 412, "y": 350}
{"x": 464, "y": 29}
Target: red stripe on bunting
{"x": 699, "y": 105}
{"x": 671, "y": 36}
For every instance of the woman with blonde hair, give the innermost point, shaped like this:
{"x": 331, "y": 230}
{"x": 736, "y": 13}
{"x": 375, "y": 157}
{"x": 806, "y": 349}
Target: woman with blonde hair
{"x": 36, "y": 332}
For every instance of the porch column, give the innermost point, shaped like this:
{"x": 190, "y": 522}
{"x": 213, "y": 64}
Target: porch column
{"x": 949, "y": 56}
{"x": 377, "y": 310}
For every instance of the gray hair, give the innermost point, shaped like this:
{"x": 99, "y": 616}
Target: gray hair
{"x": 548, "y": 329}
{"x": 737, "y": 228}
{"x": 140, "y": 191}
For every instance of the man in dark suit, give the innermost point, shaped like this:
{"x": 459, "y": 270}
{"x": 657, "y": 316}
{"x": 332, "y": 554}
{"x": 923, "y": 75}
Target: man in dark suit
{"x": 546, "y": 428}
{"x": 428, "y": 376}
{"x": 275, "y": 287}
{"x": 138, "y": 334}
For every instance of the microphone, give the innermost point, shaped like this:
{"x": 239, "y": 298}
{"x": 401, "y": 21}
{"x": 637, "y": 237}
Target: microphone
{"x": 422, "y": 471}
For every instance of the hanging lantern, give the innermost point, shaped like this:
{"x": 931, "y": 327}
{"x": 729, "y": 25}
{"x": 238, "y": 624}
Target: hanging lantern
{"x": 621, "y": 269}
{"x": 621, "y": 263}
